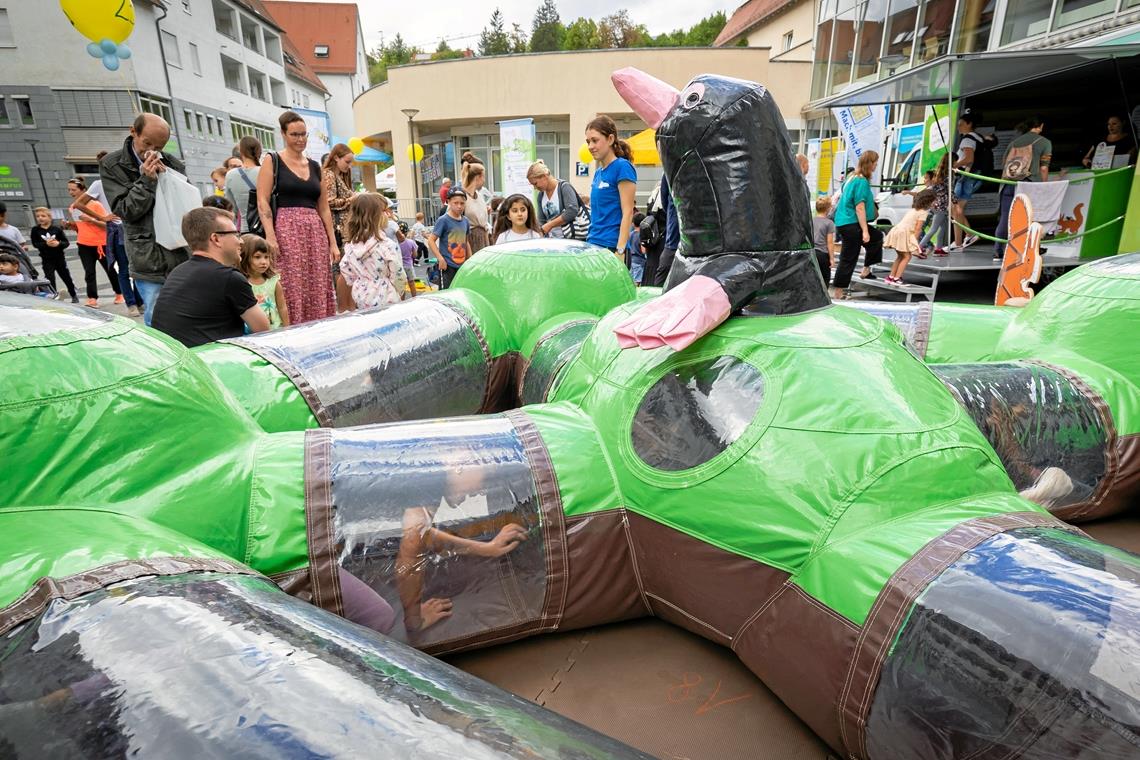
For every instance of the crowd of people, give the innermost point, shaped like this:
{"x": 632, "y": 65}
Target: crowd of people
{"x": 306, "y": 245}
{"x": 937, "y": 225}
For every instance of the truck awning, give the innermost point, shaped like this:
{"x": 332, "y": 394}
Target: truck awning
{"x": 953, "y": 77}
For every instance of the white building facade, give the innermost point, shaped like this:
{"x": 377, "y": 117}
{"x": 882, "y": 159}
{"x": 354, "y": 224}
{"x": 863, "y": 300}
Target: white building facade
{"x": 216, "y": 70}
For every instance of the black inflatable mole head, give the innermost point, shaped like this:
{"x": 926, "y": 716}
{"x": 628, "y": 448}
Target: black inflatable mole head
{"x": 725, "y": 151}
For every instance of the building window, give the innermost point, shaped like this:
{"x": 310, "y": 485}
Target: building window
{"x": 232, "y": 74}
{"x": 788, "y": 41}
{"x": 306, "y": 99}
{"x": 24, "y": 110}
{"x": 156, "y": 106}
{"x": 170, "y": 47}
{"x": 188, "y": 116}
{"x": 1071, "y": 12}
{"x": 4, "y": 120}
{"x": 321, "y": 51}
{"x": 7, "y": 39}
{"x": 210, "y": 125}
{"x": 1025, "y": 18}
{"x": 195, "y": 60}
{"x": 225, "y": 19}
{"x": 201, "y": 121}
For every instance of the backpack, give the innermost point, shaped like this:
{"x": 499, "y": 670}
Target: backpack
{"x": 579, "y": 227}
{"x": 983, "y": 154}
{"x": 652, "y": 227}
{"x": 253, "y": 216}
{"x": 1018, "y": 164}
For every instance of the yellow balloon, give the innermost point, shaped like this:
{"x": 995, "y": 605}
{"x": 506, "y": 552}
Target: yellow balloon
{"x": 415, "y": 152}
{"x": 584, "y": 154}
{"x": 99, "y": 20}
{"x": 356, "y": 145}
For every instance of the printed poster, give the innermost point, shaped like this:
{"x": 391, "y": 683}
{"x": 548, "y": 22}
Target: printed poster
{"x": 319, "y": 127}
{"x": 938, "y": 134}
{"x": 812, "y": 154}
{"x": 863, "y": 128}
{"x": 517, "y": 146}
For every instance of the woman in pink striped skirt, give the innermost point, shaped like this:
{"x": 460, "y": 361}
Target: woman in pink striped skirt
{"x": 301, "y": 232}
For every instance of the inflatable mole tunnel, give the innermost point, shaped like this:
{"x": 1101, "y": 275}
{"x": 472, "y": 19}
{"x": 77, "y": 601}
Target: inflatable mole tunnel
{"x": 186, "y": 532}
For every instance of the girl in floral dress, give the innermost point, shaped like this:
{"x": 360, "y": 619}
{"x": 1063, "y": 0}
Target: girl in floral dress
{"x": 372, "y": 263}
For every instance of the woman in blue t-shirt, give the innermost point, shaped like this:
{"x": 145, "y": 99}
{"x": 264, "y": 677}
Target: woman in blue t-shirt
{"x": 614, "y": 188}
{"x": 854, "y": 218}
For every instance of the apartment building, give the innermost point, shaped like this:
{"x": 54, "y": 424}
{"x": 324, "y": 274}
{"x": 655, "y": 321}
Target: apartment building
{"x": 216, "y": 70}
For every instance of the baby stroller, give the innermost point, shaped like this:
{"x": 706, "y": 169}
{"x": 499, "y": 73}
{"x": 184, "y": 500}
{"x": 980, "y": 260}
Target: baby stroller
{"x": 34, "y": 284}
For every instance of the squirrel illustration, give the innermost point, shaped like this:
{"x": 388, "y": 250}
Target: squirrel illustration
{"x": 1072, "y": 224}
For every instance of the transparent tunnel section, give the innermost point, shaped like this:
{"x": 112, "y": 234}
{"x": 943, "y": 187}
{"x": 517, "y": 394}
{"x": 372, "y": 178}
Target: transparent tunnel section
{"x": 213, "y": 665}
{"x": 417, "y": 360}
{"x": 1050, "y": 435}
{"x": 549, "y": 357}
{"x": 1026, "y": 647}
{"x": 912, "y": 320}
{"x": 443, "y": 522}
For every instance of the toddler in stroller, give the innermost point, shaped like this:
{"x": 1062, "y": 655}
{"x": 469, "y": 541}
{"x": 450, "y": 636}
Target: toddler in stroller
{"x": 17, "y": 274}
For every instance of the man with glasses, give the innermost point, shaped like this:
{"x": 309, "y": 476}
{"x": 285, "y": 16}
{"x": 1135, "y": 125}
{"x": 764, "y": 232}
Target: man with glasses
{"x": 130, "y": 182}
{"x": 207, "y": 298}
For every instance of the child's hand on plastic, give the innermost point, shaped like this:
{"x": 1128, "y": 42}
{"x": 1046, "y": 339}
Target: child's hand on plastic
{"x": 506, "y": 542}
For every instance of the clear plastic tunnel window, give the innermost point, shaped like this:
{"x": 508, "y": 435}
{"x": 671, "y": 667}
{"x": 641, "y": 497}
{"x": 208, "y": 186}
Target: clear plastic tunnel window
{"x": 442, "y": 522}
{"x": 695, "y": 412}
{"x": 1048, "y": 433}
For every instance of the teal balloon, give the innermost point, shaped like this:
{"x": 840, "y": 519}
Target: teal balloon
{"x": 108, "y": 47}
{"x": 94, "y": 50}
{"x": 111, "y": 61}
{"x": 123, "y": 52}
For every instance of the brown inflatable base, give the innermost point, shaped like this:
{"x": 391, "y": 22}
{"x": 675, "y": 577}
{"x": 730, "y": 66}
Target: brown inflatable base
{"x": 653, "y": 686}
{"x": 668, "y": 692}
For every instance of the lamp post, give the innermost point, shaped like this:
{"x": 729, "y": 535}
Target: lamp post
{"x": 411, "y": 114}
{"x": 39, "y": 169}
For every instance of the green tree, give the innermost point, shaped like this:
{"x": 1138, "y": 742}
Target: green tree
{"x": 581, "y": 34}
{"x": 618, "y": 31}
{"x": 444, "y": 52}
{"x": 494, "y": 40}
{"x": 705, "y": 31}
{"x": 518, "y": 39}
{"x": 546, "y": 32}
{"x": 396, "y": 53}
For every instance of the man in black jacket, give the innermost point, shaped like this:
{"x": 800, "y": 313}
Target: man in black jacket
{"x": 130, "y": 178}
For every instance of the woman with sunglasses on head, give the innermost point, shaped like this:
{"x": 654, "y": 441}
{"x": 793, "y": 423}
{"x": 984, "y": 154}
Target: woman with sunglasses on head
{"x": 300, "y": 231}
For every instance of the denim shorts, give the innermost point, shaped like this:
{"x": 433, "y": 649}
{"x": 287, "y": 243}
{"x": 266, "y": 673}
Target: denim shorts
{"x": 965, "y": 188}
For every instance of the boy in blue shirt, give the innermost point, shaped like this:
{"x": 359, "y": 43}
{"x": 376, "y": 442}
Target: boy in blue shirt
{"x": 452, "y": 229}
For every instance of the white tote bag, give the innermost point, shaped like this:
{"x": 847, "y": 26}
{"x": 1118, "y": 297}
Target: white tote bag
{"x": 174, "y": 197}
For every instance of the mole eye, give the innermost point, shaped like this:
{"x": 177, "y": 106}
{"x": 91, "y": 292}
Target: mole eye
{"x": 693, "y": 95}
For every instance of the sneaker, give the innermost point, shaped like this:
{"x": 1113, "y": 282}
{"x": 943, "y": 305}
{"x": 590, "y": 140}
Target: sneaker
{"x": 1052, "y": 488}
{"x": 953, "y": 247}
{"x": 132, "y": 311}
{"x": 940, "y": 252}
{"x": 969, "y": 241}
{"x": 119, "y": 299}
{"x": 75, "y": 299}
{"x": 93, "y": 302}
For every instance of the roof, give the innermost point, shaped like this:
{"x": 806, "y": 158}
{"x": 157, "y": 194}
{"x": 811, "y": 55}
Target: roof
{"x": 295, "y": 65}
{"x": 953, "y": 77}
{"x": 312, "y": 24}
{"x": 747, "y": 16}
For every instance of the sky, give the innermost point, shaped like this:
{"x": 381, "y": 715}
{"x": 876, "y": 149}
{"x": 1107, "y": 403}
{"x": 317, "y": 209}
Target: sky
{"x": 461, "y": 22}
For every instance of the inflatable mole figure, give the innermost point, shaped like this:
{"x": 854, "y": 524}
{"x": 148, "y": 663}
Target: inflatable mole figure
{"x": 864, "y": 552}
{"x": 741, "y": 202}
